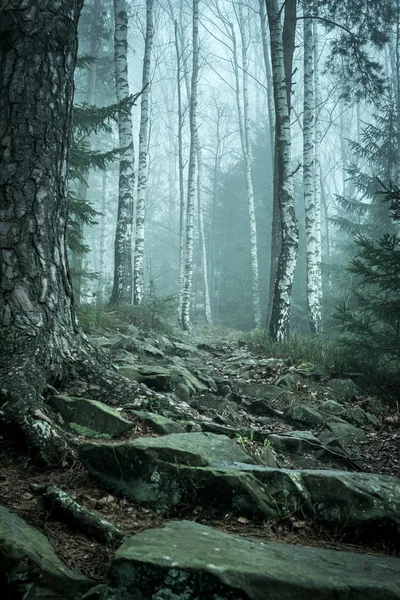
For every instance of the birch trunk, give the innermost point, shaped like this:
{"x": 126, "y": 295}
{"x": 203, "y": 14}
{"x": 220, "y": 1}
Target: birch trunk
{"x": 267, "y": 64}
{"x": 244, "y": 126}
{"x": 282, "y": 294}
{"x": 182, "y": 200}
{"x": 188, "y": 275}
{"x": 123, "y": 282}
{"x": 138, "y": 270}
{"x": 202, "y": 238}
{"x": 309, "y": 180}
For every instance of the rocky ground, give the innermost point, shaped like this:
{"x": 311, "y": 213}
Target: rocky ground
{"x": 213, "y": 478}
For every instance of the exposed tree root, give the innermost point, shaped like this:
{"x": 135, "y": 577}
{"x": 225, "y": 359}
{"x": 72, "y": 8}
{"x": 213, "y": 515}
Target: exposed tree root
{"x": 62, "y": 506}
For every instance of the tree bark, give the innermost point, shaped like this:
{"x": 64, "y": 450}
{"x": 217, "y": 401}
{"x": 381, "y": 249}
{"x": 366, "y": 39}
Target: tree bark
{"x": 41, "y": 342}
{"x": 283, "y": 185}
{"x": 312, "y": 215}
{"x": 202, "y": 238}
{"x": 268, "y": 73}
{"x": 123, "y": 276}
{"x": 244, "y": 127}
{"x": 187, "y": 288}
{"x": 138, "y": 271}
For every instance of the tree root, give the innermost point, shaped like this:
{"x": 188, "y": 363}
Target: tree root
{"x": 62, "y": 506}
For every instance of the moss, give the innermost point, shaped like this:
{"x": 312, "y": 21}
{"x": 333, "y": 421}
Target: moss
{"x": 89, "y": 433}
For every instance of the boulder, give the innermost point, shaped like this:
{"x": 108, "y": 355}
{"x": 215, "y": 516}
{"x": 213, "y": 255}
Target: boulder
{"x": 358, "y": 417}
{"x": 188, "y": 561}
{"x": 342, "y": 389}
{"x": 163, "y": 379}
{"x": 91, "y": 416}
{"x": 301, "y": 413}
{"x": 331, "y": 407}
{"x": 29, "y": 567}
{"x": 341, "y": 434}
{"x": 158, "y": 423}
{"x": 294, "y": 442}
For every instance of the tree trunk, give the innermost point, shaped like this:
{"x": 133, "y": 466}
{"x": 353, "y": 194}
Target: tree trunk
{"x": 123, "y": 282}
{"x": 187, "y": 288}
{"x": 37, "y": 314}
{"x": 313, "y": 231}
{"x": 268, "y": 73}
{"x": 202, "y": 239}
{"x": 138, "y": 272}
{"x": 283, "y": 184}
{"x": 40, "y": 339}
{"x": 317, "y": 175}
{"x": 244, "y": 126}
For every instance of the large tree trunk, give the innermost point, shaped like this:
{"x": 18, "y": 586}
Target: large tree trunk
{"x": 187, "y": 287}
{"x": 40, "y": 338}
{"x": 123, "y": 276}
{"x": 283, "y": 185}
{"x": 244, "y": 128}
{"x": 312, "y": 215}
{"x": 37, "y": 316}
{"x": 138, "y": 271}
{"x": 270, "y": 97}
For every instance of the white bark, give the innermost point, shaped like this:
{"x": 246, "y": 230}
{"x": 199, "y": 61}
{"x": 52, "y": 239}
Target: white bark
{"x": 123, "y": 283}
{"x": 244, "y": 126}
{"x": 202, "y": 239}
{"x": 317, "y": 178}
{"x": 309, "y": 180}
{"x": 187, "y": 288}
{"x": 138, "y": 270}
{"x": 268, "y": 72}
{"x": 282, "y": 294}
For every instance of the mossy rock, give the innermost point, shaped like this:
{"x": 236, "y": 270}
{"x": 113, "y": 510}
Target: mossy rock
{"x": 304, "y": 414}
{"x": 29, "y": 567}
{"x": 90, "y": 416}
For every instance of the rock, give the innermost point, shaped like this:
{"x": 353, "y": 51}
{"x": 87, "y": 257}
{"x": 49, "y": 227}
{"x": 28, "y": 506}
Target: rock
{"x": 260, "y": 390}
{"x": 216, "y": 403}
{"x": 341, "y": 434}
{"x": 331, "y": 407}
{"x": 294, "y": 442}
{"x": 310, "y": 371}
{"x": 262, "y": 408}
{"x": 187, "y": 561}
{"x": 302, "y": 413}
{"x": 286, "y": 381}
{"x": 158, "y": 423}
{"x": 358, "y": 417}
{"x": 267, "y": 457}
{"x": 91, "y": 416}
{"x": 138, "y": 346}
{"x": 180, "y": 349}
{"x": 29, "y": 567}
{"x": 182, "y": 392}
{"x": 163, "y": 379}
{"x": 343, "y": 389}
{"x": 375, "y": 406}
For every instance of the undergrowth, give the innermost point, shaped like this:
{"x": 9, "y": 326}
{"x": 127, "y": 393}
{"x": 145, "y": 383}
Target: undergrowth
{"x": 155, "y": 314}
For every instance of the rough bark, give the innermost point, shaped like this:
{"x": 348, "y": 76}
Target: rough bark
{"x": 138, "y": 271}
{"x": 123, "y": 276}
{"x": 187, "y": 287}
{"x": 41, "y": 342}
{"x": 283, "y": 185}
{"x": 244, "y": 129}
{"x": 313, "y": 230}
{"x": 202, "y": 237}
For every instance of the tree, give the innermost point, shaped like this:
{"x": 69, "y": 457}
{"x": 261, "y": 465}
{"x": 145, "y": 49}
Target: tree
{"x": 312, "y": 212}
{"x": 285, "y": 237}
{"x": 41, "y": 342}
{"x": 372, "y": 328}
{"x": 191, "y": 189}
{"x": 123, "y": 276}
{"x": 138, "y": 272}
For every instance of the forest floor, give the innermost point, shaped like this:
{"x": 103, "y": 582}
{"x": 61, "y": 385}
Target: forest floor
{"x": 380, "y": 453}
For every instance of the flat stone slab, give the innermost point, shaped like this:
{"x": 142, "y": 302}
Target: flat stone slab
{"x": 29, "y": 565}
{"x": 91, "y": 415}
{"x": 185, "y": 560}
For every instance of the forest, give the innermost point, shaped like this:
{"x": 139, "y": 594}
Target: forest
{"x": 199, "y": 299}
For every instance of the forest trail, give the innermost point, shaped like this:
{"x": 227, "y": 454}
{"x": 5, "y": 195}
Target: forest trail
{"x": 217, "y": 442}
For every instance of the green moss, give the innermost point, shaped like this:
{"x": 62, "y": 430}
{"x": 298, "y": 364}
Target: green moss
{"x": 89, "y": 433}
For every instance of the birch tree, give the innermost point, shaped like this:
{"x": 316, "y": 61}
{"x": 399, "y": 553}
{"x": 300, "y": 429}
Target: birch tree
{"x": 123, "y": 280}
{"x": 283, "y": 185}
{"x": 138, "y": 273}
{"x": 313, "y": 231}
{"x": 191, "y": 189}
{"x": 244, "y": 129}
{"x": 202, "y": 238}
